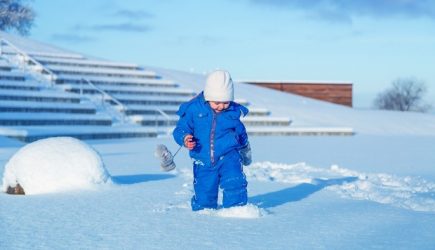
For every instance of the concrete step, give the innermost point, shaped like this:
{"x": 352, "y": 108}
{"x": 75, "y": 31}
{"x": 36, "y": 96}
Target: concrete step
{"x": 42, "y": 107}
{"x": 45, "y": 119}
{"x": 120, "y": 81}
{"x": 258, "y": 112}
{"x": 12, "y": 76}
{"x": 5, "y": 66}
{"x": 85, "y": 63}
{"x": 266, "y": 121}
{"x": 128, "y": 90}
{"x": 300, "y": 131}
{"x": 56, "y": 55}
{"x": 150, "y": 109}
{"x": 21, "y": 85}
{"x": 158, "y": 100}
{"x": 172, "y": 110}
{"x": 171, "y": 120}
{"x": 33, "y": 133}
{"x": 150, "y": 100}
{"x": 38, "y": 96}
{"x": 97, "y": 71}
{"x": 289, "y": 131}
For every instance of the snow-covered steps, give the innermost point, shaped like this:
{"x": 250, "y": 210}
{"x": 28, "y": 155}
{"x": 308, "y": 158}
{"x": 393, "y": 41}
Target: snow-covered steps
{"x": 150, "y": 109}
{"x": 171, "y": 110}
{"x": 99, "y": 71}
{"x": 85, "y": 63}
{"x": 33, "y": 133}
{"x": 301, "y": 131}
{"x": 40, "y": 96}
{"x": 75, "y": 91}
{"x": 12, "y": 76}
{"x": 258, "y": 112}
{"x": 154, "y": 120}
{"x": 122, "y": 81}
{"x": 57, "y": 54}
{"x": 151, "y": 100}
{"x": 171, "y": 120}
{"x": 4, "y": 66}
{"x": 40, "y": 118}
{"x": 266, "y": 121}
{"x": 160, "y": 100}
{"x": 46, "y": 107}
{"x": 21, "y": 85}
{"x": 128, "y": 90}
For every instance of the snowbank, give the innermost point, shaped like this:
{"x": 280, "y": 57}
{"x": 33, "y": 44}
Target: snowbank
{"x": 54, "y": 165}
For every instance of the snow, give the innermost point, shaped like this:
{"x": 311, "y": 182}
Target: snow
{"x": 135, "y": 90}
{"x": 304, "y": 193}
{"x": 33, "y": 104}
{"x": 45, "y": 93}
{"x": 372, "y": 190}
{"x": 81, "y": 62}
{"x": 406, "y": 192}
{"x": 249, "y": 211}
{"x": 117, "y": 80}
{"x": 55, "y": 165}
{"x": 102, "y": 71}
{"x": 47, "y": 130}
{"x": 47, "y": 116}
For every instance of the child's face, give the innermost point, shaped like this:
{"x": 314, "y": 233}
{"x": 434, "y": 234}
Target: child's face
{"x": 219, "y": 106}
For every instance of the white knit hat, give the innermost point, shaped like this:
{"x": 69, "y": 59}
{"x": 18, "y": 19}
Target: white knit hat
{"x": 219, "y": 87}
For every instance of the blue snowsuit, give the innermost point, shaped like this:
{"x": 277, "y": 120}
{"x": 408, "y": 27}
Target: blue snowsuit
{"x": 218, "y": 136}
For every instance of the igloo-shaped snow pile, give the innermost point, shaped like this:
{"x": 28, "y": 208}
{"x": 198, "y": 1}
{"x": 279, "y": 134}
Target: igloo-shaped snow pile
{"x": 53, "y": 165}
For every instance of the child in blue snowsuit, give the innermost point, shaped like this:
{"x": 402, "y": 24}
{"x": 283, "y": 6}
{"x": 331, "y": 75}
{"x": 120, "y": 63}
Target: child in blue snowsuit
{"x": 210, "y": 127}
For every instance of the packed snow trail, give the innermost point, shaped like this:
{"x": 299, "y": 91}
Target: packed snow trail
{"x": 406, "y": 192}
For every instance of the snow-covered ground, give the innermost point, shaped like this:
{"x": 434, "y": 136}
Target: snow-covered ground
{"x": 373, "y": 190}
{"x": 360, "y": 192}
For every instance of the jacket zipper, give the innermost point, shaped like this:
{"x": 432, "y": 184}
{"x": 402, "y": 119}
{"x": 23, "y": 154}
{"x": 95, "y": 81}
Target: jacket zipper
{"x": 212, "y": 134}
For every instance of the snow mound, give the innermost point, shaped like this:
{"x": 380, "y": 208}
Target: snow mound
{"x": 411, "y": 193}
{"x": 248, "y": 211}
{"x": 54, "y": 165}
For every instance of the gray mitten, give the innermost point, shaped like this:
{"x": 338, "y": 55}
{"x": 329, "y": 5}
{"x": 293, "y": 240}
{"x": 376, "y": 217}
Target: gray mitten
{"x": 165, "y": 156}
{"x": 245, "y": 154}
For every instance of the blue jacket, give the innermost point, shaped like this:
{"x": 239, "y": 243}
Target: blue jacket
{"x": 216, "y": 134}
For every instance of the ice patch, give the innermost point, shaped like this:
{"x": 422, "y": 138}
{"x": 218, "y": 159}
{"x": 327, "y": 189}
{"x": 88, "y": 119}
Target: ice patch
{"x": 248, "y": 211}
{"x": 406, "y": 192}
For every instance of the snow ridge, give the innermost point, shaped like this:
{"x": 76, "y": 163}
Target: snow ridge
{"x": 411, "y": 193}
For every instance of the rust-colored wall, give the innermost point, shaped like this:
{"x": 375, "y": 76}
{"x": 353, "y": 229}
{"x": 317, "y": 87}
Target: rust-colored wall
{"x": 339, "y": 93}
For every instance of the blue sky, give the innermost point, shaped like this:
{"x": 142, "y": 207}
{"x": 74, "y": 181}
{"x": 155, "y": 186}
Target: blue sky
{"x": 367, "y": 42}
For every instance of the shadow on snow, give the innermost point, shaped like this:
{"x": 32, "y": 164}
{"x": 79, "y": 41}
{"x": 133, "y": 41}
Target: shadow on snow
{"x": 296, "y": 193}
{"x": 134, "y": 179}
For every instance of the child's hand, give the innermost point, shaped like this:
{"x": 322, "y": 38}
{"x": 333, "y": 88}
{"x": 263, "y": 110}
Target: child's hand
{"x": 246, "y": 155}
{"x": 189, "y": 142}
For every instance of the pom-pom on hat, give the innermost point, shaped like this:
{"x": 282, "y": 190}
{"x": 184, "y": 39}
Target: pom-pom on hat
{"x": 219, "y": 87}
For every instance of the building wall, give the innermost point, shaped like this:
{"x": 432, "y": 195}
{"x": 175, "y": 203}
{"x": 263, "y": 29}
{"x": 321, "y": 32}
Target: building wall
{"x": 339, "y": 93}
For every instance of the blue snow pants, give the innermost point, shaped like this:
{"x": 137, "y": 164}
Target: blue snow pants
{"x": 226, "y": 173}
